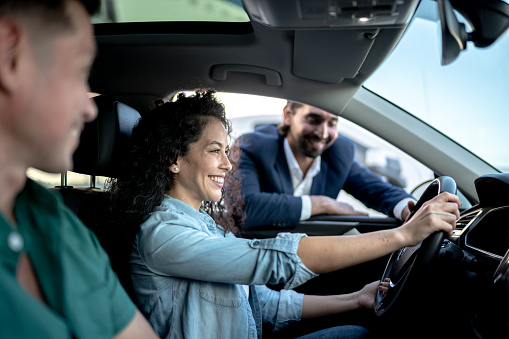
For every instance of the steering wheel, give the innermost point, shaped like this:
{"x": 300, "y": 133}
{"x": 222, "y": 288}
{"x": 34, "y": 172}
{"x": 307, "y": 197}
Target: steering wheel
{"x": 406, "y": 266}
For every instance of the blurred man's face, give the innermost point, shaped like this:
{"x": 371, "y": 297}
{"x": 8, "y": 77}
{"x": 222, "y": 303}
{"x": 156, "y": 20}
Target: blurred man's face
{"x": 312, "y": 130}
{"x": 55, "y": 94}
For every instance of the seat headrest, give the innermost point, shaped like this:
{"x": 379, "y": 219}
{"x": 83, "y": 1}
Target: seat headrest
{"x": 104, "y": 143}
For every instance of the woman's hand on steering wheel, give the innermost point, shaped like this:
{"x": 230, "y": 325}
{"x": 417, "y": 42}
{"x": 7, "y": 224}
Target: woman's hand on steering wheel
{"x": 433, "y": 216}
{"x": 438, "y": 214}
{"x": 368, "y": 292}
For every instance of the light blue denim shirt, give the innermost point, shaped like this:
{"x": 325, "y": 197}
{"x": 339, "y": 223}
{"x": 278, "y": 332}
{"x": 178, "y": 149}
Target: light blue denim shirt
{"x": 188, "y": 276}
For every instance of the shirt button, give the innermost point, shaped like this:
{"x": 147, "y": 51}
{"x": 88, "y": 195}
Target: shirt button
{"x": 15, "y": 241}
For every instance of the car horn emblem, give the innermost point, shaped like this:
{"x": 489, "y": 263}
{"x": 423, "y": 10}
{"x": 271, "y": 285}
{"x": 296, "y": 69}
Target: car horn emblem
{"x": 401, "y": 251}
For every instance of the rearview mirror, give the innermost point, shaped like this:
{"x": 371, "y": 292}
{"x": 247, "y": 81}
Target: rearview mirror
{"x": 454, "y": 34}
{"x": 488, "y": 19}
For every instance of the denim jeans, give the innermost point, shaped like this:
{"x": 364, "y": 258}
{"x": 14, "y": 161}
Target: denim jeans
{"x": 340, "y": 332}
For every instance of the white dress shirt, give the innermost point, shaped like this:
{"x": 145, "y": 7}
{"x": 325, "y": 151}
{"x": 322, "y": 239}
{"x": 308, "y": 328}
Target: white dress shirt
{"x": 302, "y": 185}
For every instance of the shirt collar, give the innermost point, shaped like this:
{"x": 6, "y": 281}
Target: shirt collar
{"x": 294, "y": 167}
{"x": 173, "y": 204}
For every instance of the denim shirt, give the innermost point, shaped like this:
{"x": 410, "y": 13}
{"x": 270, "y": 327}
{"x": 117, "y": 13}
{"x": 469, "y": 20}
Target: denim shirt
{"x": 188, "y": 276}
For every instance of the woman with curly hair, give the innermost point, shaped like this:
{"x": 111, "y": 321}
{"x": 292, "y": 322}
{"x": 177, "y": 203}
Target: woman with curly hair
{"x": 192, "y": 277}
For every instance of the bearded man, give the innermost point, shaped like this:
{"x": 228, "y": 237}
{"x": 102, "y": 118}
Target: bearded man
{"x": 297, "y": 170}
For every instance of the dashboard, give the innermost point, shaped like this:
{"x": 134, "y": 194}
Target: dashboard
{"x": 487, "y": 232}
{"x": 483, "y": 235}
{"x": 483, "y": 230}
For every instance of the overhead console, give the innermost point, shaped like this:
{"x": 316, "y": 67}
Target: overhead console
{"x": 313, "y": 14}
{"x": 334, "y": 40}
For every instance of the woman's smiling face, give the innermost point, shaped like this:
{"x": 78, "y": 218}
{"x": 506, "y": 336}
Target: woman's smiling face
{"x": 201, "y": 172}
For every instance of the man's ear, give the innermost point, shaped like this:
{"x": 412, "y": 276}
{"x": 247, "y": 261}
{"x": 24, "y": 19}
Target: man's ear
{"x": 287, "y": 115}
{"x": 10, "y": 46}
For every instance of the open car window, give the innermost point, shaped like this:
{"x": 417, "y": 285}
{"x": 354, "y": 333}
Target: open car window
{"x": 247, "y": 112}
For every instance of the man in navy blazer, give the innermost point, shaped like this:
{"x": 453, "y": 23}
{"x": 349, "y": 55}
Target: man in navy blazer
{"x": 296, "y": 170}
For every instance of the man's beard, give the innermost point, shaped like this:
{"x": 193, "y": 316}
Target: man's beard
{"x": 311, "y": 152}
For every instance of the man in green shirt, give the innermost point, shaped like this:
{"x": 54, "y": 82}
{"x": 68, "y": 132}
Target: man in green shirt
{"x": 55, "y": 279}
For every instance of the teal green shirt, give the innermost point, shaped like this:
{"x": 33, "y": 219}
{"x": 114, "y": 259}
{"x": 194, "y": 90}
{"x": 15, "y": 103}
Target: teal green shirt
{"x": 84, "y": 296}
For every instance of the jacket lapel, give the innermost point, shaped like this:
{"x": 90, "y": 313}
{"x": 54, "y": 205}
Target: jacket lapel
{"x": 320, "y": 180}
{"x": 282, "y": 169}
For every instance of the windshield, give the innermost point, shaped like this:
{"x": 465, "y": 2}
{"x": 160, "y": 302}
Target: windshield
{"x": 466, "y": 100}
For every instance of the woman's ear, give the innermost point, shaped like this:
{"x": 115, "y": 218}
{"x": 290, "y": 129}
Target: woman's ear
{"x": 174, "y": 167}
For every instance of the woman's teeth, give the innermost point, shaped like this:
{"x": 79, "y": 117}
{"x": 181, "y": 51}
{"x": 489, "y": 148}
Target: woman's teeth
{"x": 218, "y": 179}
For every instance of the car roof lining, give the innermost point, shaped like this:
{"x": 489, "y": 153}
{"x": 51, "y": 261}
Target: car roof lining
{"x": 156, "y": 65}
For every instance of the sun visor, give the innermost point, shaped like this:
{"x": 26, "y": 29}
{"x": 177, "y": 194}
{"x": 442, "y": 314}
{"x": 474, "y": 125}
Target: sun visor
{"x": 343, "y": 51}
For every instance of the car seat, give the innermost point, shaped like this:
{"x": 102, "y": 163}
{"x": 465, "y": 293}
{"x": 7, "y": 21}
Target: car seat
{"x": 104, "y": 144}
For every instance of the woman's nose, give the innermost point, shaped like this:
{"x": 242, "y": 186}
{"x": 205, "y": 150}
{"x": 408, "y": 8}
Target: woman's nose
{"x": 226, "y": 164}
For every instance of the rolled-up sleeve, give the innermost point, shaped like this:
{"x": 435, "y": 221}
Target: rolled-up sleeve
{"x": 280, "y": 308}
{"x": 287, "y": 243}
{"x": 174, "y": 247}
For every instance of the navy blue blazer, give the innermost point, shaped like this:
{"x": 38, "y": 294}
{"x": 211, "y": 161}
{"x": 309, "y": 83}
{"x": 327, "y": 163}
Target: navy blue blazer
{"x": 268, "y": 189}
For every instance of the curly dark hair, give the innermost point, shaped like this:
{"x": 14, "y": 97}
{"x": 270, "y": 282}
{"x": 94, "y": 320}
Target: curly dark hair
{"x": 161, "y": 136}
